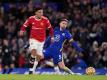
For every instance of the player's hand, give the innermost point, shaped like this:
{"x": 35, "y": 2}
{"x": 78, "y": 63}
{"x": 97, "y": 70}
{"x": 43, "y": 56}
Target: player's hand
{"x": 52, "y": 39}
{"x": 21, "y": 33}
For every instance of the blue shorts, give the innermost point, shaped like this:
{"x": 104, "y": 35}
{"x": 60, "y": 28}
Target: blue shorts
{"x": 53, "y": 53}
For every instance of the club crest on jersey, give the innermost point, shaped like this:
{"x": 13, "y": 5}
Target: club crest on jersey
{"x": 57, "y": 37}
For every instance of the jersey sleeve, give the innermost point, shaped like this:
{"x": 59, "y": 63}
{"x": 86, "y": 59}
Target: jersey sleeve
{"x": 69, "y": 36}
{"x": 51, "y": 31}
{"x": 48, "y": 24}
{"x": 26, "y": 24}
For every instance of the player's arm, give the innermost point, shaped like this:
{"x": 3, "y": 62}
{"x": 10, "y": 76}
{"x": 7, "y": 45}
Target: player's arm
{"x": 49, "y": 27}
{"x": 25, "y": 25}
{"x": 74, "y": 43}
{"x": 51, "y": 31}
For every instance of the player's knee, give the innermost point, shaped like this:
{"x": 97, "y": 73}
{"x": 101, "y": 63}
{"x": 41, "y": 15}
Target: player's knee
{"x": 37, "y": 56}
{"x": 33, "y": 52}
{"x": 61, "y": 65}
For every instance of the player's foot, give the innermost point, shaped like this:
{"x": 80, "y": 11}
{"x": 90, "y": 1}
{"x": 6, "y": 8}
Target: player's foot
{"x": 30, "y": 72}
{"x": 4, "y": 71}
{"x": 77, "y": 73}
{"x": 10, "y": 70}
{"x": 71, "y": 72}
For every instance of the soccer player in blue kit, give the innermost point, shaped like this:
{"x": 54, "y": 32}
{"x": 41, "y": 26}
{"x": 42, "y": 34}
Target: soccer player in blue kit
{"x": 54, "y": 50}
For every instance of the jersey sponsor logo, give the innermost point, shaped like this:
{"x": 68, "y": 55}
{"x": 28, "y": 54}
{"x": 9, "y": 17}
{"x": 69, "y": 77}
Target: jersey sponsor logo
{"x": 33, "y": 27}
{"x": 57, "y": 37}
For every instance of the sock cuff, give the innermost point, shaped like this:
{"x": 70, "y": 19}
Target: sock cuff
{"x": 32, "y": 56}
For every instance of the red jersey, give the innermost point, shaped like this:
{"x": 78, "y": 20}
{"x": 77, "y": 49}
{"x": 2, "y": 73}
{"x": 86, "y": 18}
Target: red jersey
{"x": 38, "y": 27}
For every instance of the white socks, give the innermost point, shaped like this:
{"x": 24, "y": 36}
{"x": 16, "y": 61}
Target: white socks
{"x": 34, "y": 66}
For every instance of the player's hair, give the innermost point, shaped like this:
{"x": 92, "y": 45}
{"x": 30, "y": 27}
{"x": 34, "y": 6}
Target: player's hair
{"x": 38, "y": 8}
{"x": 64, "y": 20}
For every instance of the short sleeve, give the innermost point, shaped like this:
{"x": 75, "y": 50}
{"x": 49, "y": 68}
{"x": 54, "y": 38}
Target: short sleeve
{"x": 28, "y": 22}
{"x": 48, "y": 24}
{"x": 68, "y": 35}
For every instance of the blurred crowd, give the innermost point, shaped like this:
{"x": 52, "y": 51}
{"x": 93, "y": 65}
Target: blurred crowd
{"x": 87, "y": 24}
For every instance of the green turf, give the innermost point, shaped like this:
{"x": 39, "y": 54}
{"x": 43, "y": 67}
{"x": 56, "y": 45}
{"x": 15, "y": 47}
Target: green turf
{"x": 51, "y": 77}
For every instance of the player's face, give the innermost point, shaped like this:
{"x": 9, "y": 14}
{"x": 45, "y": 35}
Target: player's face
{"x": 63, "y": 24}
{"x": 39, "y": 13}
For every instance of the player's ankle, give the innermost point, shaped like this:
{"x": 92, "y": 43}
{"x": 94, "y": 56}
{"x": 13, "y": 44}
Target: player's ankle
{"x": 32, "y": 59}
{"x": 30, "y": 72}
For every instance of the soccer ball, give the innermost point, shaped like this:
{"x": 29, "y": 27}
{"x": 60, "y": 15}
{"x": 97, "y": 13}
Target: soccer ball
{"x": 90, "y": 71}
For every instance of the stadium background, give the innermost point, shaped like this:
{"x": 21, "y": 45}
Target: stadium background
{"x": 88, "y": 25}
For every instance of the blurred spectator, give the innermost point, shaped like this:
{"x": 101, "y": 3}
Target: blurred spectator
{"x": 2, "y": 28}
{"x": 22, "y": 60}
{"x": 6, "y": 59}
{"x": 80, "y": 64}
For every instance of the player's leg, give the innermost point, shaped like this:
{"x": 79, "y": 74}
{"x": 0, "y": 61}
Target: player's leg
{"x": 10, "y": 68}
{"x": 38, "y": 55}
{"x": 33, "y": 49}
{"x": 49, "y": 62}
{"x": 48, "y": 55}
{"x": 56, "y": 68}
{"x": 10, "y": 65}
{"x": 40, "y": 51}
{"x": 58, "y": 60}
{"x": 4, "y": 65}
{"x": 31, "y": 62}
{"x": 64, "y": 68}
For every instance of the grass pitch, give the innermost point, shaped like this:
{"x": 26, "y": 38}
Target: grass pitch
{"x": 51, "y": 77}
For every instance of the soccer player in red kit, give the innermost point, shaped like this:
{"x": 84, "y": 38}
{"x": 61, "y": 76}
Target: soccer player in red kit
{"x": 38, "y": 24}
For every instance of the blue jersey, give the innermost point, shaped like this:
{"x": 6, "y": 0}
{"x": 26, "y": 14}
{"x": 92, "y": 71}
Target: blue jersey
{"x": 60, "y": 37}
{"x": 53, "y": 51}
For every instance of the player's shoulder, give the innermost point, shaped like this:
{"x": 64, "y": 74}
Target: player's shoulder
{"x": 67, "y": 31}
{"x": 31, "y": 17}
{"x": 44, "y": 17}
